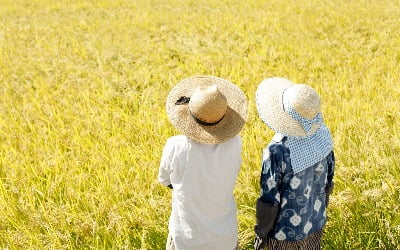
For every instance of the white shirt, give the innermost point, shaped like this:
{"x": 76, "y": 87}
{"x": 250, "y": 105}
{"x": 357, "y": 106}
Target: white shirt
{"x": 203, "y": 177}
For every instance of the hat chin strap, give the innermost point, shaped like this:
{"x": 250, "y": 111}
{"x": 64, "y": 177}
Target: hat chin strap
{"x": 203, "y": 122}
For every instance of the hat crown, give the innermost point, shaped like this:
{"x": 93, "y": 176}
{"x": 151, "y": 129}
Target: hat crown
{"x": 208, "y": 104}
{"x": 304, "y": 100}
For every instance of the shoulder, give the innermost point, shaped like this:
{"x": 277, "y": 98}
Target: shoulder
{"x": 277, "y": 151}
{"x": 277, "y": 147}
{"x": 178, "y": 141}
{"x": 233, "y": 146}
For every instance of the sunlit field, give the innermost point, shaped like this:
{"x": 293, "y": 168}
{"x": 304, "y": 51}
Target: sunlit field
{"x": 83, "y": 123}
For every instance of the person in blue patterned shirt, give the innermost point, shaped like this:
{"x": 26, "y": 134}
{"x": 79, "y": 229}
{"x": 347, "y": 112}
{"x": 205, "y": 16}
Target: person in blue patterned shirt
{"x": 297, "y": 167}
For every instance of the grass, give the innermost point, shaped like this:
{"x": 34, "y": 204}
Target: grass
{"x": 82, "y": 125}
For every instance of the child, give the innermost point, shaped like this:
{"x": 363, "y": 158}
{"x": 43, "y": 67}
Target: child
{"x": 297, "y": 168}
{"x": 201, "y": 166}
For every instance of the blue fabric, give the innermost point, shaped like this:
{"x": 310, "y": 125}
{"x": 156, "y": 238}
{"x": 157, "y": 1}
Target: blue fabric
{"x": 301, "y": 196}
{"x": 305, "y": 123}
{"x": 306, "y": 151}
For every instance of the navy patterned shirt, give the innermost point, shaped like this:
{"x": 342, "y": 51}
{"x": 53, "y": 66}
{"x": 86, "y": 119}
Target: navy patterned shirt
{"x": 301, "y": 197}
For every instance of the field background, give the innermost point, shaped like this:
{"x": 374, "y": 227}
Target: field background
{"x": 82, "y": 123}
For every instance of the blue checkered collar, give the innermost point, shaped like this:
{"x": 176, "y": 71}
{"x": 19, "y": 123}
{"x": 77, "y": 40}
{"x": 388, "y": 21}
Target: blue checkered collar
{"x": 307, "y": 151}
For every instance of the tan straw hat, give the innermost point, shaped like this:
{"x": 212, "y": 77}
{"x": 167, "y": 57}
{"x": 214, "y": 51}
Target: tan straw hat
{"x": 207, "y": 109}
{"x": 275, "y": 96}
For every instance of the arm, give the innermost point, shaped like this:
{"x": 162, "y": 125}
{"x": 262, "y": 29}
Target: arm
{"x": 331, "y": 172}
{"x": 267, "y": 206}
{"x": 165, "y": 165}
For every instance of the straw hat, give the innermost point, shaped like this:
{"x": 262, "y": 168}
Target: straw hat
{"x": 275, "y": 96}
{"x": 207, "y": 109}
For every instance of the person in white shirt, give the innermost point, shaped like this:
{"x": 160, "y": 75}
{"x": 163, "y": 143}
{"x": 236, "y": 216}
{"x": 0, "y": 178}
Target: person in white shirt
{"x": 202, "y": 164}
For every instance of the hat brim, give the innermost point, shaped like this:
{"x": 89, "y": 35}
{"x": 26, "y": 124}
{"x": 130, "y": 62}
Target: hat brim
{"x": 228, "y": 127}
{"x": 271, "y": 111}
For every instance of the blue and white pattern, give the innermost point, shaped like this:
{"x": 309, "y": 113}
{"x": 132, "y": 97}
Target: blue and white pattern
{"x": 301, "y": 196}
{"x": 308, "y": 150}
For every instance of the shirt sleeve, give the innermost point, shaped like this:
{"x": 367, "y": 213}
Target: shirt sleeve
{"x": 166, "y": 164}
{"x": 271, "y": 177}
{"x": 331, "y": 168}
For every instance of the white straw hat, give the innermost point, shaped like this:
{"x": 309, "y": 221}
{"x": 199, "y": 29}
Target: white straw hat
{"x": 275, "y": 97}
{"x": 207, "y": 109}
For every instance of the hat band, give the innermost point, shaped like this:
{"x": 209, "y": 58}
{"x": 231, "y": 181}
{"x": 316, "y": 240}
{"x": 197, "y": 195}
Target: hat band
{"x": 203, "y": 122}
{"x": 182, "y": 100}
{"x": 185, "y": 100}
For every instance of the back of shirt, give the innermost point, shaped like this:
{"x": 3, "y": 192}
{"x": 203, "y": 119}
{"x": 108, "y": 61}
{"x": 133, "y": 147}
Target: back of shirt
{"x": 203, "y": 176}
{"x": 301, "y": 197}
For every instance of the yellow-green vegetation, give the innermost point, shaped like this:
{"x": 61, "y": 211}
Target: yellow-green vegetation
{"x": 82, "y": 124}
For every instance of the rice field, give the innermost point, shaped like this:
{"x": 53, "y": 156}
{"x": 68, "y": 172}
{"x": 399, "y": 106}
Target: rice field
{"x": 82, "y": 100}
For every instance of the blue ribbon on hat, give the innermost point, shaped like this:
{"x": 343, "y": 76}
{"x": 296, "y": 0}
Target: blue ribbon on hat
{"x": 305, "y": 123}
{"x": 311, "y": 149}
